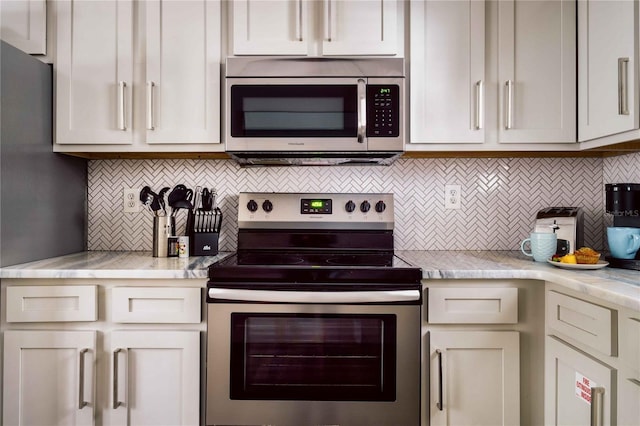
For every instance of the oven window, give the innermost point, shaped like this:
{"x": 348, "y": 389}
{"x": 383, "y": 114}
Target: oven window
{"x": 313, "y": 357}
{"x": 293, "y": 110}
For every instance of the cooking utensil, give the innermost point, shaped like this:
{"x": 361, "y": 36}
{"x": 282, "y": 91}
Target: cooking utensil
{"x": 207, "y": 200}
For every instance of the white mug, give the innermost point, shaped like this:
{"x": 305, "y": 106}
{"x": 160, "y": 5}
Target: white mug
{"x": 543, "y": 245}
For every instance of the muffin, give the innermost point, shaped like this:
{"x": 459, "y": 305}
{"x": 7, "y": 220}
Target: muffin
{"x": 587, "y": 255}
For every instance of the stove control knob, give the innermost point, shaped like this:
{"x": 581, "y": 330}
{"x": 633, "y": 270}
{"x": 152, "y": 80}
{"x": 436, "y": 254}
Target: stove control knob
{"x": 350, "y": 206}
{"x": 380, "y": 206}
{"x": 267, "y": 206}
{"x": 252, "y": 206}
{"x": 365, "y": 206}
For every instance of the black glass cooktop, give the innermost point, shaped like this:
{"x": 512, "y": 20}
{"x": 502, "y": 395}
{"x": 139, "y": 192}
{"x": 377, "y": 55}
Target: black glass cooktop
{"x": 313, "y": 267}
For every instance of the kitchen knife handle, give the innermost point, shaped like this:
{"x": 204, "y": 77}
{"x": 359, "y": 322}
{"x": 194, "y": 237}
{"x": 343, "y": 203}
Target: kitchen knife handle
{"x": 122, "y": 119}
{"x": 362, "y": 110}
{"x": 116, "y": 403}
{"x": 299, "y": 20}
{"x": 597, "y": 406}
{"x": 81, "y": 402}
{"x": 508, "y": 105}
{"x": 479, "y": 115}
{"x": 439, "y": 403}
{"x": 327, "y": 20}
{"x": 623, "y": 92}
{"x": 150, "y": 123}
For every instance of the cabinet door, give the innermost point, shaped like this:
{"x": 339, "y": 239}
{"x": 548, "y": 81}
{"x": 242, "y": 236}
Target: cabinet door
{"x": 628, "y": 407}
{"x": 474, "y": 378}
{"x": 49, "y": 377}
{"x": 155, "y": 378}
{"x": 537, "y": 71}
{"x": 569, "y": 377}
{"x": 361, "y": 27}
{"x": 94, "y": 72}
{"x": 24, "y": 25}
{"x": 607, "y": 93}
{"x": 447, "y": 71}
{"x": 271, "y": 27}
{"x": 182, "y": 71}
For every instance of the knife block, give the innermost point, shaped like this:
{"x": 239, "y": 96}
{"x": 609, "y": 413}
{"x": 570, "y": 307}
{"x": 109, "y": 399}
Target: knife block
{"x": 204, "y": 234}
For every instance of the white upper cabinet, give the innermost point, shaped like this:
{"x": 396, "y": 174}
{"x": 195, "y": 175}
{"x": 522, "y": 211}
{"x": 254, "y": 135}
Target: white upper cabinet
{"x": 447, "y": 77}
{"x": 327, "y": 27}
{"x": 24, "y": 25}
{"x": 537, "y": 71}
{"x": 94, "y": 72}
{"x": 607, "y": 70}
{"x": 492, "y": 72}
{"x": 143, "y": 74}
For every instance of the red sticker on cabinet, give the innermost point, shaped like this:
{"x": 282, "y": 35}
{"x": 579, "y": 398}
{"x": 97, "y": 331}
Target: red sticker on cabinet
{"x": 583, "y": 388}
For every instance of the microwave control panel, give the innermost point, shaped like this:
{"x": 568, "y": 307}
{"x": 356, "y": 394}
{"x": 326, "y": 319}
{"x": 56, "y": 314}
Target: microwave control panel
{"x": 383, "y": 110}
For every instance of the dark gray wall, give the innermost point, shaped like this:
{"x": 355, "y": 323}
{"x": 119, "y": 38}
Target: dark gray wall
{"x": 43, "y": 195}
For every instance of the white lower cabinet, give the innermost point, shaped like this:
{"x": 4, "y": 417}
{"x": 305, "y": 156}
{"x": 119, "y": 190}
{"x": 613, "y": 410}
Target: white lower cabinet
{"x": 474, "y": 378}
{"x": 49, "y": 377}
{"x": 155, "y": 378}
{"x": 579, "y": 388}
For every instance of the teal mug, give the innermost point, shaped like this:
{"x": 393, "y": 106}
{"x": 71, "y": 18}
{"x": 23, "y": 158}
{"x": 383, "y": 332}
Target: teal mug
{"x": 623, "y": 242}
{"x": 543, "y": 245}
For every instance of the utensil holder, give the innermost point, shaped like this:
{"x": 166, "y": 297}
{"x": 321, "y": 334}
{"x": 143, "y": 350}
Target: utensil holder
{"x": 163, "y": 228}
{"x": 203, "y": 228}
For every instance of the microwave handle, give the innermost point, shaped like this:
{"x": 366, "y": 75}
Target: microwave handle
{"x": 362, "y": 110}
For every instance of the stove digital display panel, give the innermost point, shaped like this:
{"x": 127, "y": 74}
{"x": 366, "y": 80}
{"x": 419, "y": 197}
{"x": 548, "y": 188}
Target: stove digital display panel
{"x": 315, "y": 206}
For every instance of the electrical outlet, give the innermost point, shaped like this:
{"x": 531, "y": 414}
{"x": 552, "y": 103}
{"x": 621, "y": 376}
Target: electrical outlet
{"x": 452, "y": 196}
{"x": 130, "y": 203}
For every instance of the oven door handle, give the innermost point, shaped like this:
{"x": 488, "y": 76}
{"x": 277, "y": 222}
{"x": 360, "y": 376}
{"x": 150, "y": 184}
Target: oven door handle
{"x": 314, "y": 297}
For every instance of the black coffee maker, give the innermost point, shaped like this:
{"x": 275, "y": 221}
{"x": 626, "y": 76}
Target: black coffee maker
{"x": 622, "y": 200}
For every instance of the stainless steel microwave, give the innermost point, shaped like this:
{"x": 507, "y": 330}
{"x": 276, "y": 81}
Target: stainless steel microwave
{"x": 314, "y": 110}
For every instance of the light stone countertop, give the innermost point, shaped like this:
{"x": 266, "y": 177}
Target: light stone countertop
{"x": 617, "y": 286}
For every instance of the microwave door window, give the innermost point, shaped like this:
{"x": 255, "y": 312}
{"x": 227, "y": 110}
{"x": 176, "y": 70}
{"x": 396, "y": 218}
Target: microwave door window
{"x": 294, "y": 111}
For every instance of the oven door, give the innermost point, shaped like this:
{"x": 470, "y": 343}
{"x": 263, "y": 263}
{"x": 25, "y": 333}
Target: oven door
{"x": 308, "y": 364}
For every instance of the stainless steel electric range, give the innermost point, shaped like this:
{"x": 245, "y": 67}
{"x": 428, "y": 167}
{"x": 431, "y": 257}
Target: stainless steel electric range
{"x": 314, "y": 320}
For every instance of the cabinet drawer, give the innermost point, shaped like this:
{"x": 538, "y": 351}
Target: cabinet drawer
{"x": 473, "y": 305}
{"x": 156, "y": 305}
{"x": 630, "y": 343}
{"x": 52, "y": 303}
{"x": 585, "y": 322}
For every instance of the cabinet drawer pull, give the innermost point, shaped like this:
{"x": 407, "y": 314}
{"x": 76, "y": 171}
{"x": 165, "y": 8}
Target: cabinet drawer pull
{"x": 479, "y": 115}
{"x": 150, "y": 123}
{"x": 116, "y": 403}
{"x": 623, "y": 92}
{"x": 122, "y": 119}
{"x": 439, "y": 404}
{"x": 508, "y": 120}
{"x": 81, "y": 402}
{"x": 597, "y": 406}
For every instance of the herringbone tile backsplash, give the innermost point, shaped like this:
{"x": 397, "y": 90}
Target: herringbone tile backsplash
{"x": 500, "y": 197}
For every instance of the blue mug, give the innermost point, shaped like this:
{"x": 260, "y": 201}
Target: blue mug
{"x": 623, "y": 242}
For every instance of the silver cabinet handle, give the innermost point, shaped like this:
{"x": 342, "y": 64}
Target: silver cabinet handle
{"x": 623, "y": 92}
{"x": 150, "y": 123}
{"x": 81, "y": 402}
{"x": 122, "y": 119}
{"x": 597, "y": 406}
{"x": 116, "y": 403}
{"x": 362, "y": 110}
{"x": 299, "y": 20}
{"x": 439, "y": 404}
{"x": 327, "y": 20}
{"x": 508, "y": 120}
{"x": 479, "y": 115}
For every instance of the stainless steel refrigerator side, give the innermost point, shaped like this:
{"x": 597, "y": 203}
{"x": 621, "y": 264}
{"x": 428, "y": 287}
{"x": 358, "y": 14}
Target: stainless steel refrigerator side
{"x": 43, "y": 195}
